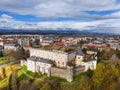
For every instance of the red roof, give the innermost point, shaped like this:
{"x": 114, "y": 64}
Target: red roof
{"x": 59, "y": 43}
{"x": 26, "y": 46}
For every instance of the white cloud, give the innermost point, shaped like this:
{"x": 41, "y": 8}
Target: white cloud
{"x": 6, "y": 16}
{"x": 62, "y": 8}
{"x": 58, "y": 8}
{"x": 107, "y": 25}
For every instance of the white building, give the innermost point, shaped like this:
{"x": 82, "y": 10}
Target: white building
{"x": 46, "y": 41}
{"x": 59, "y": 58}
{"x": 37, "y": 64}
{"x": 89, "y": 64}
{"x": 11, "y": 46}
{"x": 89, "y": 61}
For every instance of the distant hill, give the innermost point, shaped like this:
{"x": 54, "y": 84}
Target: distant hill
{"x": 47, "y": 32}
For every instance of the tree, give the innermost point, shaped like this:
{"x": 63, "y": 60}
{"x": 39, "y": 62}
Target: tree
{"x": 84, "y": 50}
{"x": 19, "y": 54}
{"x": 3, "y": 75}
{"x": 24, "y": 85}
{"x": 89, "y": 73}
{"x": 118, "y": 66}
{"x": 9, "y": 83}
{"x": 106, "y": 54}
{"x": 1, "y": 54}
{"x": 118, "y": 53}
{"x": 46, "y": 86}
{"x": 14, "y": 81}
{"x": 56, "y": 85}
{"x": 85, "y": 83}
{"x": 105, "y": 77}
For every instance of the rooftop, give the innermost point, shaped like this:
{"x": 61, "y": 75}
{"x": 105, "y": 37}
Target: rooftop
{"x": 34, "y": 58}
{"x": 79, "y": 52}
{"x": 89, "y": 57}
{"x": 61, "y": 49}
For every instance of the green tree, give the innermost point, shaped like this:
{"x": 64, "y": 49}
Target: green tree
{"x": 46, "y": 86}
{"x": 85, "y": 83}
{"x": 19, "y": 54}
{"x": 118, "y": 53}
{"x": 105, "y": 77}
{"x": 118, "y": 66}
{"x": 89, "y": 73}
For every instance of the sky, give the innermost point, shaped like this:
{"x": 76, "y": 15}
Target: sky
{"x": 92, "y": 15}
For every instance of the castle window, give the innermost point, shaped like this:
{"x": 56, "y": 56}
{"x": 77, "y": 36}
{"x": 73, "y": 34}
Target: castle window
{"x": 62, "y": 63}
{"x": 58, "y": 62}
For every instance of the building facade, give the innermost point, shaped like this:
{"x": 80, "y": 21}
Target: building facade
{"x": 37, "y": 64}
{"x": 57, "y": 63}
{"x": 59, "y": 58}
{"x": 11, "y": 46}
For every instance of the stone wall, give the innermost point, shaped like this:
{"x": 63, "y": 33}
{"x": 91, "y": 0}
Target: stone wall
{"x": 58, "y": 72}
{"x": 79, "y": 70}
{"x": 68, "y": 73}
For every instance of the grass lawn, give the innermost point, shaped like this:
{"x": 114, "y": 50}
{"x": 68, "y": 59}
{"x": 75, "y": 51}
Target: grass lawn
{"x": 77, "y": 78}
{"x": 74, "y": 84}
{"x": 37, "y": 75}
{"x": 19, "y": 73}
{"x": 3, "y": 61}
{"x": 24, "y": 77}
{"x": 70, "y": 86}
{"x": 102, "y": 61}
{"x": 56, "y": 78}
{"x": 24, "y": 68}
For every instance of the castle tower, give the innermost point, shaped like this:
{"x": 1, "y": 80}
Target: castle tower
{"x": 70, "y": 73}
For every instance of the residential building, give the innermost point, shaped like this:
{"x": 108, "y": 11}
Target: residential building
{"x": 24, "y": 41}
{"x": 11, "y": 46}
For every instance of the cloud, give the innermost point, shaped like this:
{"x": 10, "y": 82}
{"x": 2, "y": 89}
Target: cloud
{"x": 59, "y": 8}
{"x": 6, "y": 16}
{"x": 62, "y": 8}
{"x": 105, "y": 26}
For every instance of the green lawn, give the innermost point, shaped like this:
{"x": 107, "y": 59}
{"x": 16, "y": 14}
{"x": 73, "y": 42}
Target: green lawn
{"x": 24, "y": 68}
{"x": 56, "y": 78}
{"x": 37, "y": 75}
{"x": 24, "y": 77}
{"x": 70, "y": 86}
{"x": 77, "y": 78}
{"x": 3, "y": 61}
{"x": 102, "y": 61}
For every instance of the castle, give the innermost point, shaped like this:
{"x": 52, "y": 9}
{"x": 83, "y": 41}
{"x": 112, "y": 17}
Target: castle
{"x": 57, "y": 63}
